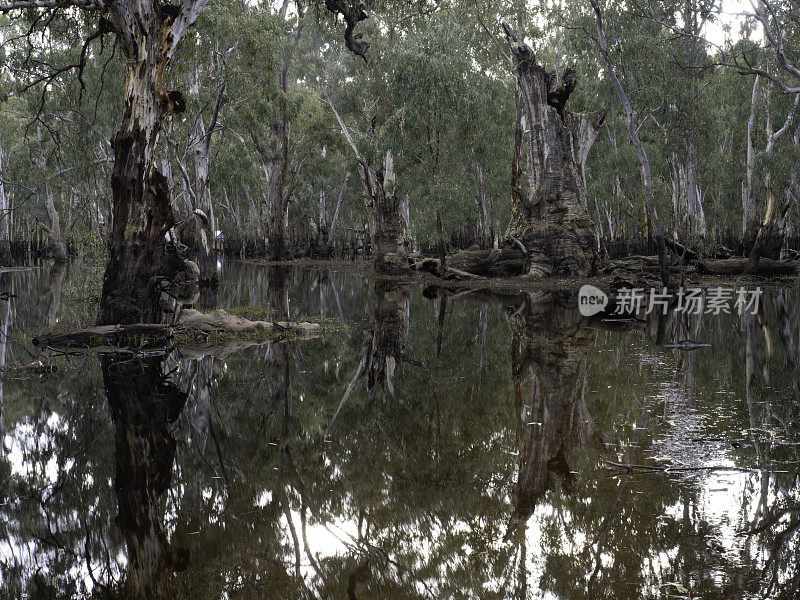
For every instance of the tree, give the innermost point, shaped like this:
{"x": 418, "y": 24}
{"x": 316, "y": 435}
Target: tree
{"x": 633, "y": 132}
{"x": 141, "y": 264}
{"x": 549, "y": 213}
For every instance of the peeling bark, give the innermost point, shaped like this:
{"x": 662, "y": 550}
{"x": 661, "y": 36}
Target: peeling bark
{"x": 141, "y": 264}
{"x": 549, "y": 213}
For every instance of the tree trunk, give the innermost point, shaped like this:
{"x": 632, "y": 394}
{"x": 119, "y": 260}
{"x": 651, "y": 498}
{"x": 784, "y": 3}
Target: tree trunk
{"x": 322, "y": 227}
{"x": 482, "y": 204}
{"x": 57, "y": 246}
{"x": 766, "y": 242}
{"x": 5, "y": 219}
{"x": 275, "y": 157}
{"x": 549, "y": 213}
{"x": 384, "y": 209}
{"x": 275, "y": 163}
{"x": 335, "y": 219}
{"x": 749, "y": 215}
{"x": 141, "y": 264}
{"x": 198, "y": 232}
{"x": 389, "y": 249}
{"x": 694, "y": 207}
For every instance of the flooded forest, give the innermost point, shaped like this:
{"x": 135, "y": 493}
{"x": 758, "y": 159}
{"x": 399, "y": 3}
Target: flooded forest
{"x": 421, "y": 299}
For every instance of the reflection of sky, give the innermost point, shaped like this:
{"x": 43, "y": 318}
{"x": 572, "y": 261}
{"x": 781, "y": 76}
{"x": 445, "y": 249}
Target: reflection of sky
{"x": 725, "y": 500}
{"x": 22, "y": 444}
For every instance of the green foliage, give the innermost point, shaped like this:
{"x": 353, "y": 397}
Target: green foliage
{"x": 80, "y": 294}
{"x": 438, "y": 92}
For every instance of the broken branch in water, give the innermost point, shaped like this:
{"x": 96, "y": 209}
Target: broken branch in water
{"x": 192, "y": 329}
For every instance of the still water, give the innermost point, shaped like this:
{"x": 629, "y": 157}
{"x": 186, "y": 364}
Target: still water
{"x": 428, "y": 445}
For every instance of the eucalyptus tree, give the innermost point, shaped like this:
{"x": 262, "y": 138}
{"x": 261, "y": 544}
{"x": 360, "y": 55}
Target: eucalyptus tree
{"x": 148, "y": 35}
{"x": 549, "y": 212}
{"x": 204, "y": 71}
{"x": 374, "y": 145}
{"x": 453, "y": 125}
{"x": 630, "y": 119}
{"x": 684, "y": 121}
{"x": 779, "y": 22}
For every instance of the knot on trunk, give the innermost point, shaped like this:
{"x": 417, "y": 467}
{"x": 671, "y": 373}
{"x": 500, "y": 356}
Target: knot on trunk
{"x": 557, "y": 96}
{"x": 176, "y": 102}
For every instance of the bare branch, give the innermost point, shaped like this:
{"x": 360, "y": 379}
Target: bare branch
{"x": 26, "y": 4}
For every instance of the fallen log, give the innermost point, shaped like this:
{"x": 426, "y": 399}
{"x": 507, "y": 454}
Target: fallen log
{"x": 193, "y": 326}
{"x": 510, "y": 262}
{"x": 686, "y": 345}
{"x": 680, "y": 250}
{"x": 505, "y": 262}
{"x": 736, "y": 266}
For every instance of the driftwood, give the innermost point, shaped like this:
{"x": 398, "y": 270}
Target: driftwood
{"x": 191, "y": 325}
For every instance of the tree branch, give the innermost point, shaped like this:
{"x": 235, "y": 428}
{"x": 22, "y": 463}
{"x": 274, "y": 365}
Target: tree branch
{"x": 26, "y": 4}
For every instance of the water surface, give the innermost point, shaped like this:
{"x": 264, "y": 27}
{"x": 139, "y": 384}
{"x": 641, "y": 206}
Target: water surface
{"x": 429, "y": 445}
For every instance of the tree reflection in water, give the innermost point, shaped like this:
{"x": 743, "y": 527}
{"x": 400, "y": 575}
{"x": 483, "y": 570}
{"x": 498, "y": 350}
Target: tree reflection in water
{"x": 478, "y": 469}
{"x": 144, "y": 402}
{"x": 549, "y": 346}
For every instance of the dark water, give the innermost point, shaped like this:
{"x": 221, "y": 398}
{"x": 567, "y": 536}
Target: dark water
{"x": 422, "y": 448}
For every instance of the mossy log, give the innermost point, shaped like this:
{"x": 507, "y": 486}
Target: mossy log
{"x": 193, "y": 326}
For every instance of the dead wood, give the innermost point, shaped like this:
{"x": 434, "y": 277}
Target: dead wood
{"x": 191, "y": 326}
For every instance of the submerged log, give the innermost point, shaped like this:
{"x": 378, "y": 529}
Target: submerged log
{"x": 191, "y": 325}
